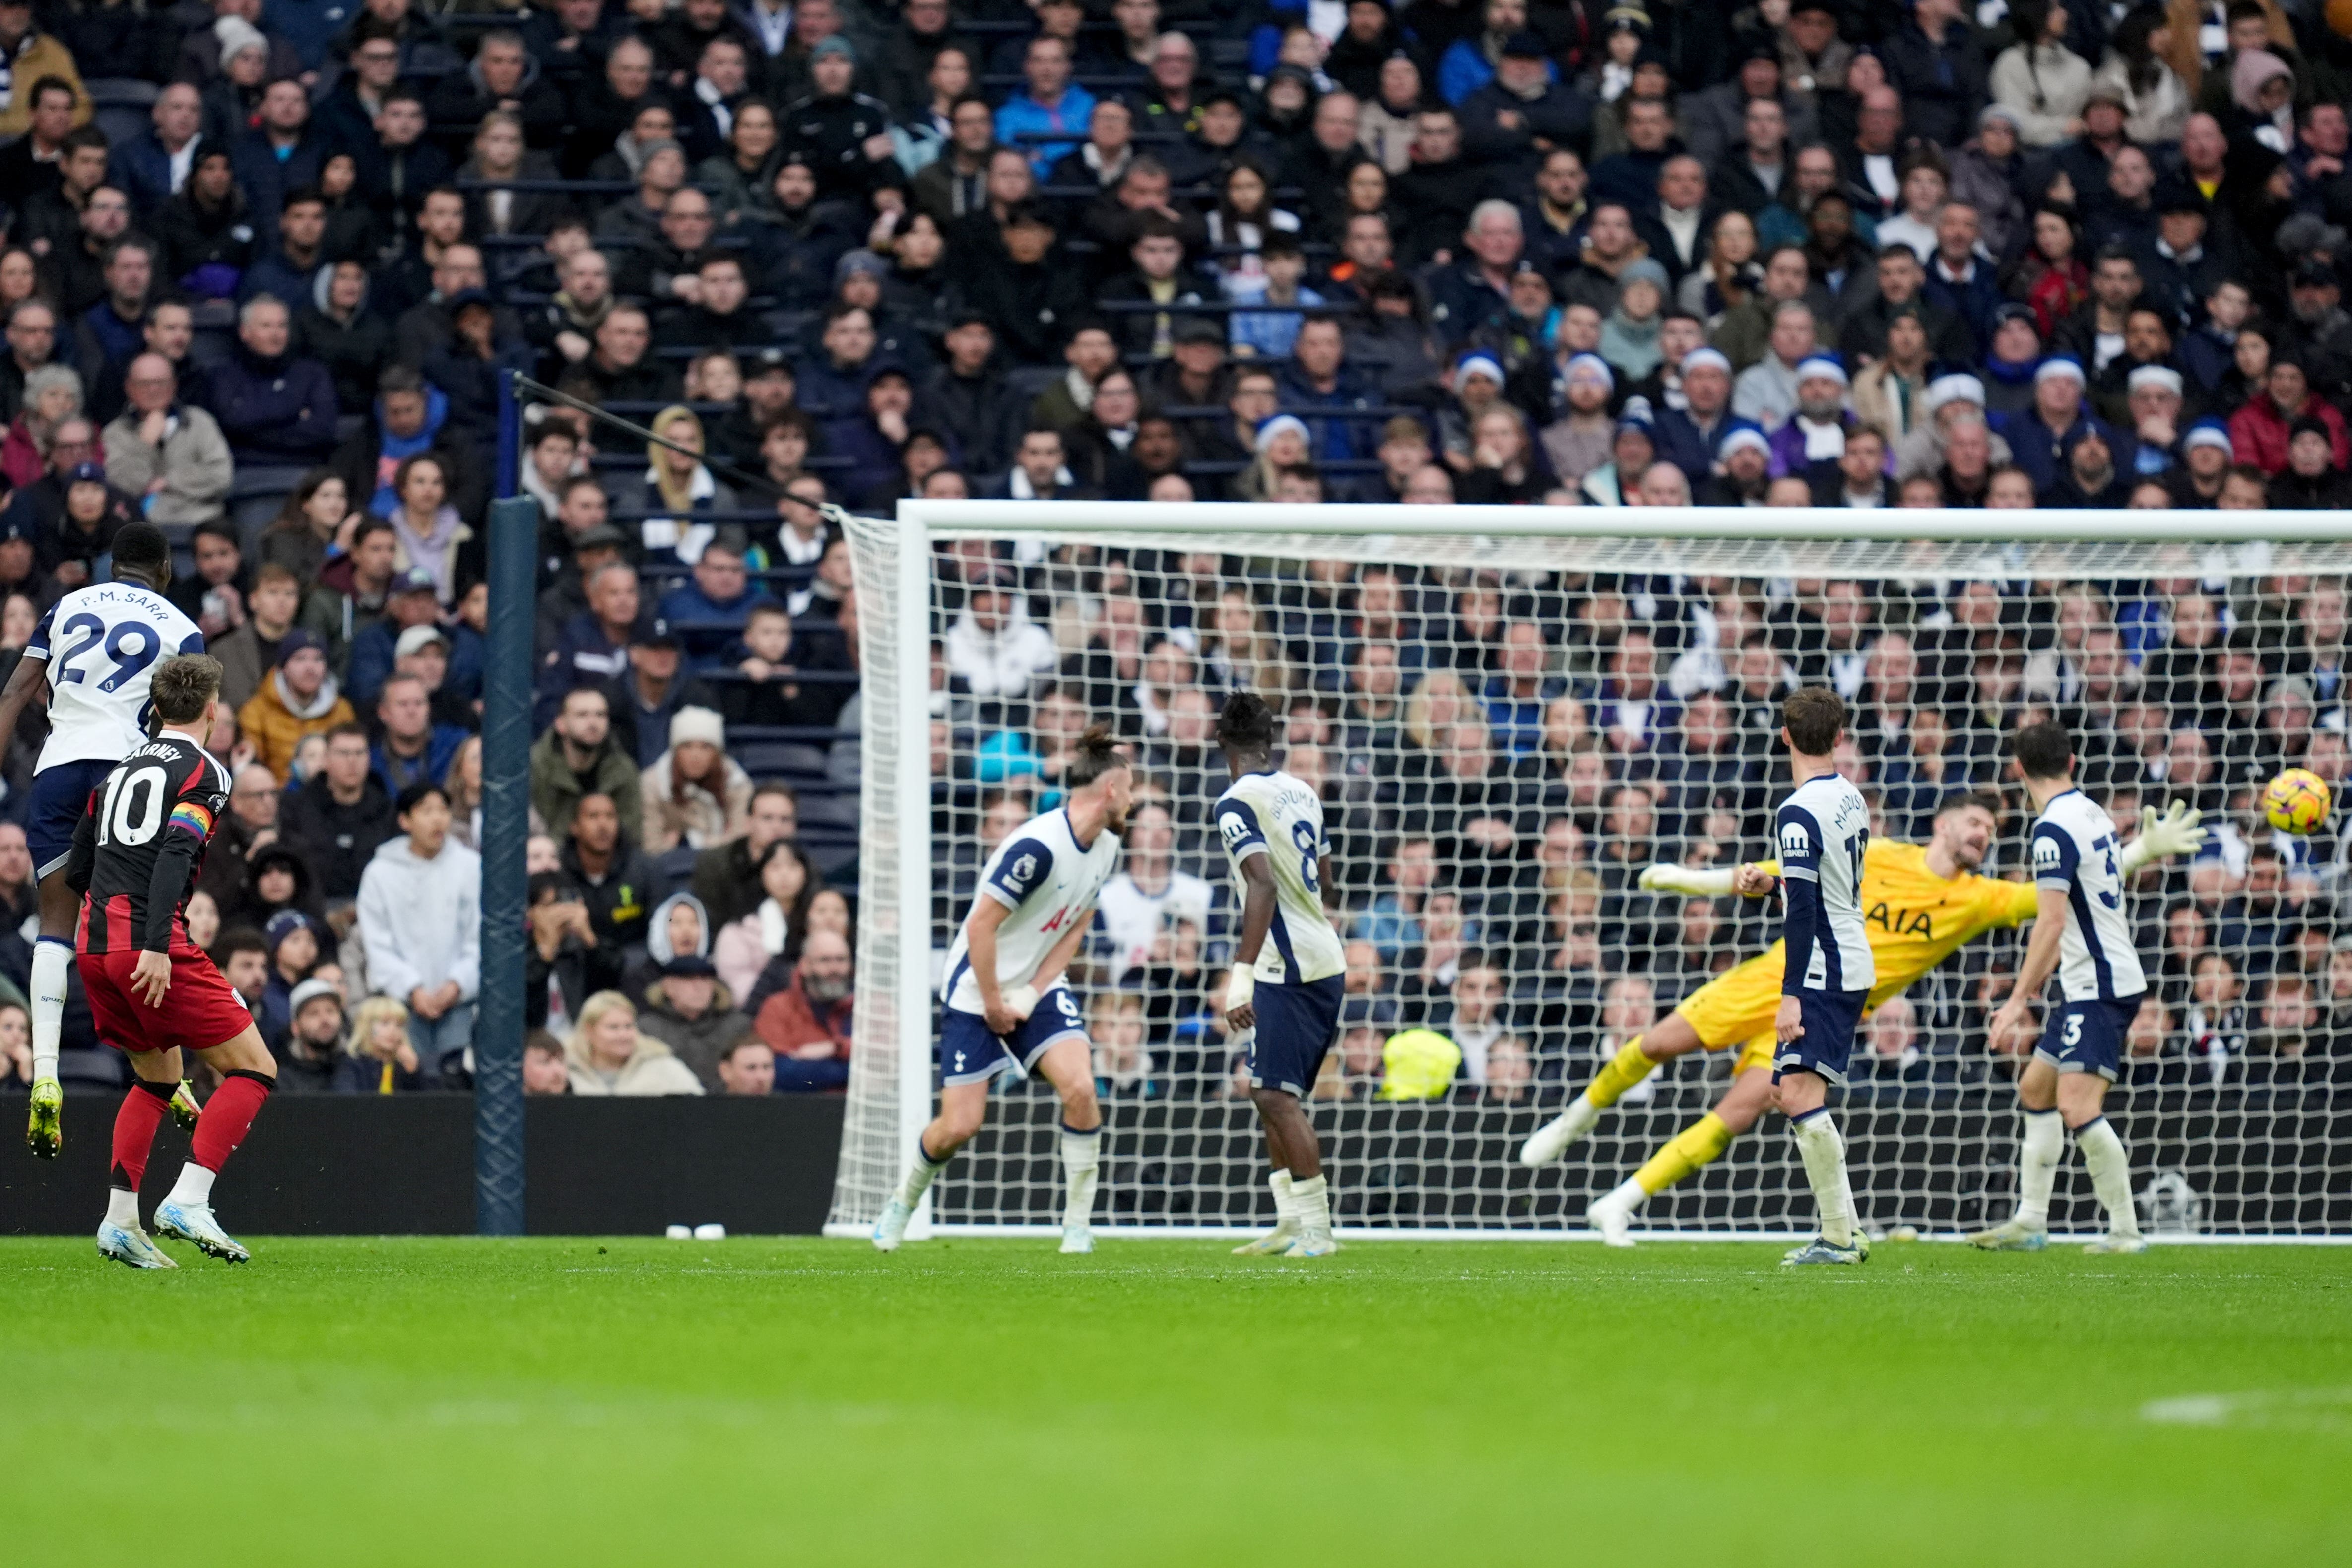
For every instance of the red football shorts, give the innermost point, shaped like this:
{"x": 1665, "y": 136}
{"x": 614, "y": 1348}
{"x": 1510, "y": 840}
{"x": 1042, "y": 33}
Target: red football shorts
{"x": 200, "y": 1011}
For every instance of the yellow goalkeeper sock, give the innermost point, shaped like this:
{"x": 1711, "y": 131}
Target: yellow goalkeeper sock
{"x": 1630, "y": 1068}
{"x": 1694, "y": 1146}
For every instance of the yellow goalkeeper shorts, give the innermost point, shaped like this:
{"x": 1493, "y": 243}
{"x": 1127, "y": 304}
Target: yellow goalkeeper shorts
{"x": 1737, "y": 1005}
{"x": 1739, "y": 1008}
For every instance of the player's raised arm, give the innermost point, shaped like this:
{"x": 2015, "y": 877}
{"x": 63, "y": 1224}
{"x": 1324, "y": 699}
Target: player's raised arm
{"x": 1749, "y": 881}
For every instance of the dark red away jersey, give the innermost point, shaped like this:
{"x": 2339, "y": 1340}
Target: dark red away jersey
{"x": 142, "y": 843}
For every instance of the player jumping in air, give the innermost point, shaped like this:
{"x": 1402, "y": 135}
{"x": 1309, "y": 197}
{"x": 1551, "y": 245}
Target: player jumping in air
{"x": 1824, "y": 830}
{"x": 1004, "y": 1005}
{"x": 1284, "y": 993}
{"x": 152, "y": 992}
{"x": 1920, "y": 903}
{"x": 90, "y": 663}
{"x": 2085, "y": 934}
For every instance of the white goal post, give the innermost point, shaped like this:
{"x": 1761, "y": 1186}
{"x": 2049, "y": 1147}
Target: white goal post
{"x": 2099, "y": 616}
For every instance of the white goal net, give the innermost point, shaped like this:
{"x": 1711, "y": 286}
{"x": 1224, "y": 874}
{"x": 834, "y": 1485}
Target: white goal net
{"x": 1511, "y": 713}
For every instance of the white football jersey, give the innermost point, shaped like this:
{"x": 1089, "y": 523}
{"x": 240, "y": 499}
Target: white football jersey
{"x": 102, "y": 643}
{"x": 1278, "y": 817}
{"x": 2074, "y": 849}
{"x": 1824, "y": 830}
{"x": 1047, "y": 880}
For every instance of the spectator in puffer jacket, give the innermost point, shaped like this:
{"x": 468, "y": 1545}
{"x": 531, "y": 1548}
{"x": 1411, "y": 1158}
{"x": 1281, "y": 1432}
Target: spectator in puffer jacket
{"x": 300, "y": 697}
{"x": 609, "y": 1055}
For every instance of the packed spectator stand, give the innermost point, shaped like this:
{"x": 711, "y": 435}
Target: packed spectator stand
{"x": 266, "y": 266}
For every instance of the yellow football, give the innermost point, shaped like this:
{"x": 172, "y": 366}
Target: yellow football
{"x": 2297, "y": 801}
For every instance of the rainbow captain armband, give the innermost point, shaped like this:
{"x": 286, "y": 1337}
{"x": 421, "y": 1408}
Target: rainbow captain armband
{"x": 192, "y": 816}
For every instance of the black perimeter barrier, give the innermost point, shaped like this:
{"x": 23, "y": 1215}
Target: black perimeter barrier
{"x": 404, "y": 1166}
{"x": 1943, "y": 1158}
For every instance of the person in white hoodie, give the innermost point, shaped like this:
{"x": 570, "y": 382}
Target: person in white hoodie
{"x": 994, "y": 647}
{"x": 420, "y": 923}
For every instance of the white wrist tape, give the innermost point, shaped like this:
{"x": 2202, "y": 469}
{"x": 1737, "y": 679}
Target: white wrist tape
{"x": 1240, "y": 987}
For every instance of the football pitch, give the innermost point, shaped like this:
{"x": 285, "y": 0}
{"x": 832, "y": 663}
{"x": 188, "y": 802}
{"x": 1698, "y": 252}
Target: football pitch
{"x": 638, "y": 1401}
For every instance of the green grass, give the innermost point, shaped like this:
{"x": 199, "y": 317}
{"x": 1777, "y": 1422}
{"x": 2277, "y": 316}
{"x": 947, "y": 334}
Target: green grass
{"x": 643, "y": 1402}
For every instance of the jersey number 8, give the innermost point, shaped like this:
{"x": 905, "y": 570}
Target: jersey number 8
{"x": 1302, "y": 834}
{"x": 132, "y": 810}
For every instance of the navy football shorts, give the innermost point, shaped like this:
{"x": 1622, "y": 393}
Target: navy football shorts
{"x": 1827, "y": 1045}
{"x": 970, "y": 1052}
{"x": 1296, "y": 1026}
{"x": 61, "y": 795}
{"x": 2088, "y": 1037}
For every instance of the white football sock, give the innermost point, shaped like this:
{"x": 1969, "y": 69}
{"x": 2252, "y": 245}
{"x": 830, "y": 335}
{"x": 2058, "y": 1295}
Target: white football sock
{"x": 195, "y": 1185}
{"x": 1824, "y": 1152}
{"x": 1286, "y": 1202}
{"x": 1313, "y": 1197}
{"x": 1629, "y": 1196}
{"x": 52, "y": 960}
{"x": 2110, "y": 1166}
{"x": 122, "y": 1208}
{"x": 917, "y": 1180}
{"x": 1081, "y": 1164}
{"x": 2038, "y": 1153}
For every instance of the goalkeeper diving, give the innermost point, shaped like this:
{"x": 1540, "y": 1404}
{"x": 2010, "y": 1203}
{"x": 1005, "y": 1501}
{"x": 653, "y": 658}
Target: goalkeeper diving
{"x": 1920, "y": 903}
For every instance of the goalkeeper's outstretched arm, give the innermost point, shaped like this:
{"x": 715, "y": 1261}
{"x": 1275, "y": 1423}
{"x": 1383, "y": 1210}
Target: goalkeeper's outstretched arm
{"x": 1753, "y": 881}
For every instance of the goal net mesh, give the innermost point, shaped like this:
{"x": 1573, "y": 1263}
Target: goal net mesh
{"x": 1505, "y": 731}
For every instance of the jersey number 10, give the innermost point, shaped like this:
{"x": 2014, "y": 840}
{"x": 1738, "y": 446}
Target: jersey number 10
{"x": 132, "y": 810}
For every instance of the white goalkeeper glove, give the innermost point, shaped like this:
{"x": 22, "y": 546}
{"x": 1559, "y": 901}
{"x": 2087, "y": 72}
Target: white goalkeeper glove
{"x": 1686, "y": 881}
{"x": 1021, "y": 999}
{"x": 2175, "y": 832}
{"x": 1240, "y": 987}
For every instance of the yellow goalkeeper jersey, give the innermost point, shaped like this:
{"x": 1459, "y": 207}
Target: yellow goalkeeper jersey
{"x": 1914, "y": 919}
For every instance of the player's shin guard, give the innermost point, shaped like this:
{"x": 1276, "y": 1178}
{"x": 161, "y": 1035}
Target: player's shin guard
{"x": 1824, "y": 1152}
{"x": 52, "y": 961}
{"x": 2110, "y": 1167}
{"x": 2038, "y": 1153}
{"x": 141, "y": 1112}
{"x": 227, "y": 1118}
{"x": 1081, "y": 1165}
{"x": 1629, "y": 1068}
{"x": 1701, "y": 1142}
{"x": 919, "y": 1174}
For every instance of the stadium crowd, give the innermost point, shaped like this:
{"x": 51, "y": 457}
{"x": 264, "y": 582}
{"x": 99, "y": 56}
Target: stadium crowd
{"x": 265, "y": 264}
